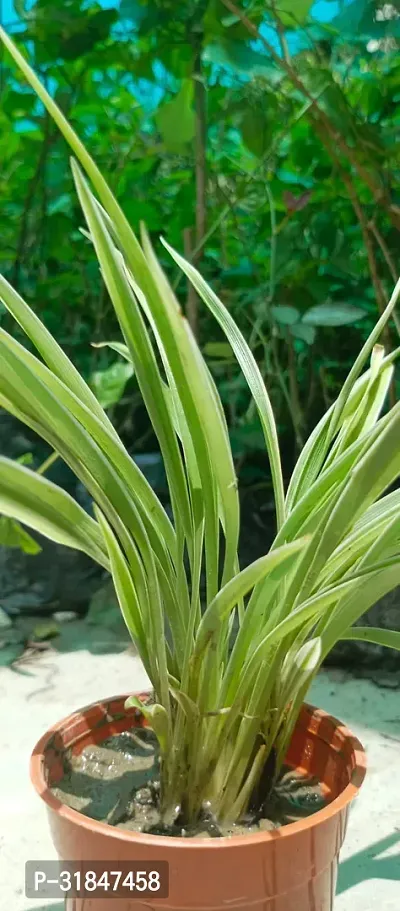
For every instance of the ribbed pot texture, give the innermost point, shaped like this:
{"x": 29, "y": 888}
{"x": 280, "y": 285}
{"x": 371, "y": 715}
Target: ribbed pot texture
{"x": 293, "y": 868}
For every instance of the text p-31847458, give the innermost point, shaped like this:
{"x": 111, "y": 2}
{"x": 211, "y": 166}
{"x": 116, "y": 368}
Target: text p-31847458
{"x": 96, "y": 879}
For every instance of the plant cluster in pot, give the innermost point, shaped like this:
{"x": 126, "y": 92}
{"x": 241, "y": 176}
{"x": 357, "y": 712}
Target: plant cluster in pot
{"x": 225, "y": 717}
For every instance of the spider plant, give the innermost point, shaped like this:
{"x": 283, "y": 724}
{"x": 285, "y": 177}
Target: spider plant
{"x": 221, "y": 711}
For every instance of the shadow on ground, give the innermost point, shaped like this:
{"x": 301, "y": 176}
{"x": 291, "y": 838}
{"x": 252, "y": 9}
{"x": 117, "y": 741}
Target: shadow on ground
{"x": 359, "y": 702}
{"x": 101, "y": 632}
{"x": 21, "y": 654}
{"x": 95, "y": 637}
{"x": 367, "y": 864}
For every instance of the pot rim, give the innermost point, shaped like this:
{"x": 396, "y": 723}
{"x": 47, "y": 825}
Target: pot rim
{"x": 348, "y": 794}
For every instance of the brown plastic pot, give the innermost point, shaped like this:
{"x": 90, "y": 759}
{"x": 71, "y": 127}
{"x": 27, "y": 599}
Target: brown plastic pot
{"x": 289, "y": 869}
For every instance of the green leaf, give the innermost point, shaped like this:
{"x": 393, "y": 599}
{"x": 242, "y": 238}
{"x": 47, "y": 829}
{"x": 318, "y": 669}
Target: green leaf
{"x": 256, "y": 130}
{"x": 237, "y": 588}
{"x": 348, "y": 385}
{"x": 378, "y": 511}
{"x": 51, "y": 411}
{"x": 312, "y": 456}
{"x": 204, "y": 417}
{"x": 366, "y": 415}
{"x": 368, "y": 590}
{"x": 293, "y": 13}
{"x": 157, "y": 718}
{"x": 389, "y": 638}
{"x": 244, "y": 268}
{"x": 237, "y": 56}
{"x": 374, "y": 470}
{"x": 50, "y": 351}
{"x": 109, "y": 384}
{"x": 138, "y": 341}
{"x": 176, "y": 120}
{"x": 35, "y": 501}
{"x": 25, "y": 459}
{"x": 231, "y": 19}
{"x": 87, "y": 423}
{"x": 119, "y": 347}
{"x": 322, "y": 488}
{"x": 349, "y": 18}
{"x": 132, "y": 598}
{"x": 218, "y": 350}
{"x": 334, "y": 314}
{"x": 13, "y": 535}
{"x": 250, "y": 370}
{"x": 296, "y": 620}
{"x": 285, "y": 314}
{"x": 305, "y": 333}
{"x": 139, "y": 590}
{"x": 61, "y": 203}
{"x": 189, "y": 707}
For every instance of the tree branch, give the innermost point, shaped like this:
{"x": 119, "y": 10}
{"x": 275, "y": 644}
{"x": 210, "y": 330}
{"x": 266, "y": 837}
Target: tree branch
{"x": 389, "y": 262}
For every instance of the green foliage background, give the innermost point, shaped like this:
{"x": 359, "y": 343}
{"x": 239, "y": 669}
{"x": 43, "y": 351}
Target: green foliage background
{"x": 281, "y": 148}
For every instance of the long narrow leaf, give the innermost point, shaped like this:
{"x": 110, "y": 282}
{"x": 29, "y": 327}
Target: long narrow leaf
{"x": 389, "y": 638}
{"x": 64, "y": 370}
{"x": 313, "y": 453}
{"x": 203, "y": 410}
{"x": 142, "y": 353}
{"x": 153, "y": 514}
{"x": 373, "y": 473}
{"x": 250, "y": 370}
{"x": 32, "y": 396}
{"x": 131, "y": 607}
{"x": 276, "y": 561}
{"x": 50, "y": 351}
{"x": 44, "y": 507}
{"x": 119, "y": 347}
{"x": 361, "y": 361}
{"x": 374, "y": 586}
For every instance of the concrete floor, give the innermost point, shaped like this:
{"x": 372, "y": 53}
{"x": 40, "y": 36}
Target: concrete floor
{"x": 87, "y": 668}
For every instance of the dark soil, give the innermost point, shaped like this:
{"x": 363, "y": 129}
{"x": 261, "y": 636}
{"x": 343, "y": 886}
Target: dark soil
{"x": 116, "y": 782}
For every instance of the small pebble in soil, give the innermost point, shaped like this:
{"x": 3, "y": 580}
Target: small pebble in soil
{"x": 144, "y": 796}
{"x": 266, "y": 825}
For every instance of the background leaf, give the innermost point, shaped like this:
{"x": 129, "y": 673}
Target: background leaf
{"x": 13, "y": 535}
{"x": 175, "y": 119}
{"x": 218, "y": 350}
{"x": 256, "y": 132}
{"x": 333, "y": 314}
{"x": 304, "y": 332}
{"x": 285, "y": 315}
{"x": 109, "y": 384}
{"x": 293, "y": 14}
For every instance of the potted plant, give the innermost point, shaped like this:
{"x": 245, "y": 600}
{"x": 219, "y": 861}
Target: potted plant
{"x": 225, "y": 718}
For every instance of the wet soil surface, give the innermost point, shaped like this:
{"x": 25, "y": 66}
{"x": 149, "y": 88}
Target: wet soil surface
{"x": 116, "y": 782}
